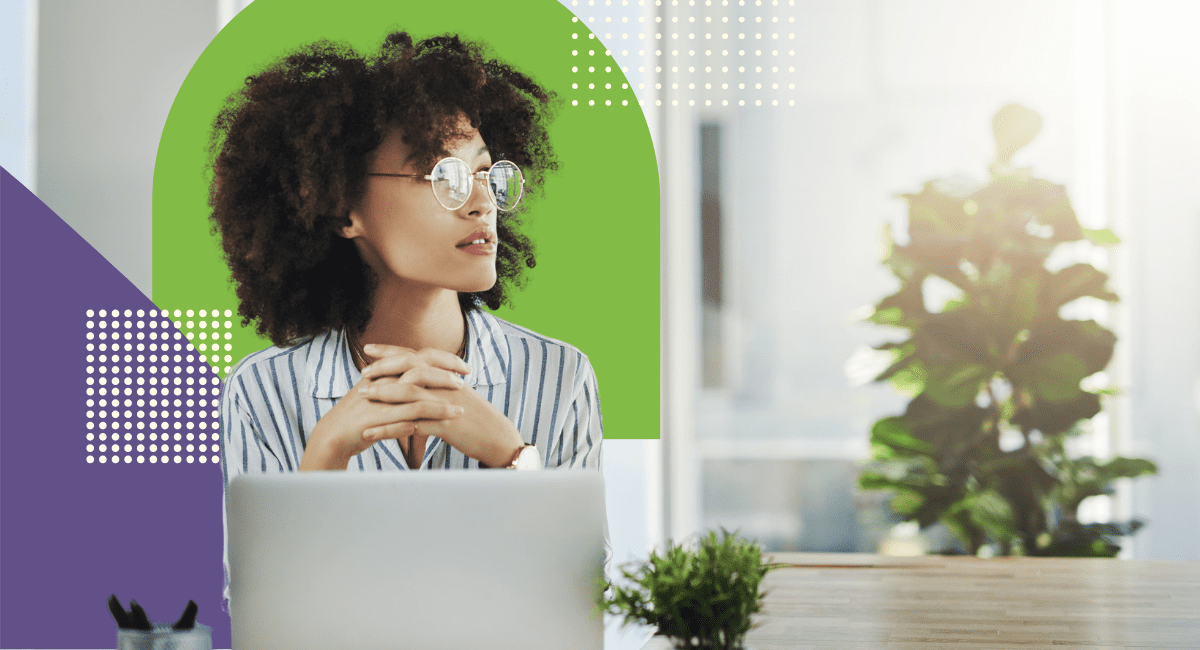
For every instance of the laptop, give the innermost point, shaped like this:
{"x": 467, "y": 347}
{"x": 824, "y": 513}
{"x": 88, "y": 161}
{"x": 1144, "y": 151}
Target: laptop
{"x": 430, "y": 560}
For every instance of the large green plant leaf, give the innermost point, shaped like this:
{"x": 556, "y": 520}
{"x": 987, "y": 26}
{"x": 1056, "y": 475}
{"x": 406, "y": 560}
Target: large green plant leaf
{"x": 908, "y": 375}
{"x": 937, "y": 501}
{"x": 990, "y": 511}
{"x": 1060, "y": 353}
{"x": 890, "y": 438}
{"x": 1056, "y": 379}
{"x": 957, "y": 336}
{"x": 955, "y": 384}
{"x": 1076, "y": 281}
{"x": 931, "y": 211}
{"x": 952, "y": 433}
{"x": 1054, "y": 418}
{"x": 1053, "y": 208}
{"x": 1034, "y": 200}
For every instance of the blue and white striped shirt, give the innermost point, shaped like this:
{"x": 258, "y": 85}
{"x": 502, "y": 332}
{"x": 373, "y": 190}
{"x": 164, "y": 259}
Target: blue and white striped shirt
{"x": 273, "y": 399}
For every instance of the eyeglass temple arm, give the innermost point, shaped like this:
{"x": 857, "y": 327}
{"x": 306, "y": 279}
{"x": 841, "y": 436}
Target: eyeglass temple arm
{"x": 477, "y": 175}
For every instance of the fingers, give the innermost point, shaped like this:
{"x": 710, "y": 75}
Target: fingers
{"x": 395, "y": 364}
{"x": 412, "y": 386}
{"x": 407, "y": 420}
{"x": 446, "y": 360}
{"x": 380, "y": 350}
{"x": 395, "y": 360}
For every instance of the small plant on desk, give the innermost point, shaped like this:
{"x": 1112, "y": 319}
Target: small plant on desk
{"x": 701, "y": 598}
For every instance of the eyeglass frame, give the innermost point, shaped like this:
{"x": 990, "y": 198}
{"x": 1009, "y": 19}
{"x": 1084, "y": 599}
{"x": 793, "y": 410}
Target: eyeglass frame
{"x": 477, "y": 176}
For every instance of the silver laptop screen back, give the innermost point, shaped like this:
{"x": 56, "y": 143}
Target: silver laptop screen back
{"x": 453, "y": 560}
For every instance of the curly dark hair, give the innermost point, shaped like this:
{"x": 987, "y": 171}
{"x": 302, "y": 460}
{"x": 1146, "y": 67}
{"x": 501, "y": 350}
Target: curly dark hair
{"x": 290, "y": 152}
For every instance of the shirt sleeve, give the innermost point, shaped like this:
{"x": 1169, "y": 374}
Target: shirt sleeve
{"x": 578, "y": 442}
{"x": 243, "y": 449}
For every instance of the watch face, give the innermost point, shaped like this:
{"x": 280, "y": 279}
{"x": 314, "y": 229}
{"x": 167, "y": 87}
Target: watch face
{"x": 529, "y": 458}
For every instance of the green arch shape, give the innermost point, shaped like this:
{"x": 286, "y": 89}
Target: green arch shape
{"x": 597, "y": 228}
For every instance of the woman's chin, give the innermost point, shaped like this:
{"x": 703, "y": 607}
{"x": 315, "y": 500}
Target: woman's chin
{"x": 483, "y": 284}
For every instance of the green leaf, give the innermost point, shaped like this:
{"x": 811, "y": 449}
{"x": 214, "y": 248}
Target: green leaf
{"x": 904, "y": 360}
{"x": 1074, "y": 282}
{"x": 1025, "y": 302}
{"x": 910, "y": 379}
{"x": 939, "y": 501}
{"x": 1086, "y": 340}
{"x": 1054, "y": 418}
{"x": 934, "y": 210}
{"x": 892, "y": 433}
{"x": 956, "y": 384}
{"x": 907, "y": 503}
{"x": 1057, "y": 378}
{"x": 1101, "y": 237}
{"x": 938, "y": 425}
{"x": 1053, "y": 208}
{"x": 873, "y": 480}
{"x": 989, "y": 511}
{"x": 893, "y": 316}
{"x": 1121, "y": 467}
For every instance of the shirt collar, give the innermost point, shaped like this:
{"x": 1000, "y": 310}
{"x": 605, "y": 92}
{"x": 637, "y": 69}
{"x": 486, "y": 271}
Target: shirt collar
{"x": 331, "y": 366}
{"x": 487, "y": 350}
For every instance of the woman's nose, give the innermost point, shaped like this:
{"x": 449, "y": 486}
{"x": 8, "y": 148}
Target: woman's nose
{"x": 479, "y": 204}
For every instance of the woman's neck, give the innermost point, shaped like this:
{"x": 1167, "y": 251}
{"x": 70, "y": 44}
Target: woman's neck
{"x": 415, "y": 319}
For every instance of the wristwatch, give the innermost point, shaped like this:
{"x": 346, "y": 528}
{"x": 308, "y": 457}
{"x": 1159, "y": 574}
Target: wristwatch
{"x": 528, "y": 457}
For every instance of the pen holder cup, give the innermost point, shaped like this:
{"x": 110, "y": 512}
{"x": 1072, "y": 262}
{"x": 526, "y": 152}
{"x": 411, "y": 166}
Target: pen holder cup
{"x": 163, "y": 637}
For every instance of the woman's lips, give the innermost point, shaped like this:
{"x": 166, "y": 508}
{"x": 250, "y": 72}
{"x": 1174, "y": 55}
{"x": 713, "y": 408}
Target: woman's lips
{"x": 479, "y": 243}
{"x": 485, "y": 248}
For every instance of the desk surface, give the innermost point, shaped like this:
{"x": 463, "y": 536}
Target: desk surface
{"x": 860, "y": 602}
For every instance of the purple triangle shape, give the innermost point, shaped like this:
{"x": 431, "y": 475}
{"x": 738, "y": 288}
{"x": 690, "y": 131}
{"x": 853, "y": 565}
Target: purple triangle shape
{"x": 72, "y": 533}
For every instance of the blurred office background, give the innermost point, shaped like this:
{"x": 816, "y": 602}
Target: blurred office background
{"x": 785, "y": 130}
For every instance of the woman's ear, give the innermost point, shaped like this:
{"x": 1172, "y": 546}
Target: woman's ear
{"x": 354, "y": 229}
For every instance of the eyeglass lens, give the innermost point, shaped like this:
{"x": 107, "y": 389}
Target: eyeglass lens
{"x": 452, "y": 183}
{"x": 504, "y": 182}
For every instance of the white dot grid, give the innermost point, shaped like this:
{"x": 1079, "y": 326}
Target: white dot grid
{"x": 750, "y": 37}
{"x": 148, "y": 378}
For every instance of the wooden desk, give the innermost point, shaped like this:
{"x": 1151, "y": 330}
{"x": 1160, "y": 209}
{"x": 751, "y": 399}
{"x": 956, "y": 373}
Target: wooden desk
{"x": 856, "y": 602}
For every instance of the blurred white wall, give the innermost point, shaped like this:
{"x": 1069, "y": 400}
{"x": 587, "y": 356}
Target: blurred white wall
{"x": 1157, "y": 206}
{"x": 18, "y": 74}
{"x": 107, "y": 74}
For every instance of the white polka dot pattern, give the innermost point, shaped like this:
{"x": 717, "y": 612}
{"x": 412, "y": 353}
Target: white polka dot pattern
{"x": 716, "y": 52}
{"x": 153, "y": 384}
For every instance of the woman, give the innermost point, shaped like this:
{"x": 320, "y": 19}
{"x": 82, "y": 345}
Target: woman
{"x": 367, "y": 208}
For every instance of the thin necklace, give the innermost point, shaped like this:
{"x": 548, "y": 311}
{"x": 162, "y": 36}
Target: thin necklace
{"x": 360, "y": 355}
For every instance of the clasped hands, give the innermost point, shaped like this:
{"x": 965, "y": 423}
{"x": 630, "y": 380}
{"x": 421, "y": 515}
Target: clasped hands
{"x": 407, "y": 393}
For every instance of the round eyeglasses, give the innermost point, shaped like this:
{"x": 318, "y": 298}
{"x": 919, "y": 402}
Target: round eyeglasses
{"x": 451, "y": 180}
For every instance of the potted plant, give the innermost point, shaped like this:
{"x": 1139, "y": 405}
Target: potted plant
{"x": 995, "y": 373}
{"x": 701, "y": 598}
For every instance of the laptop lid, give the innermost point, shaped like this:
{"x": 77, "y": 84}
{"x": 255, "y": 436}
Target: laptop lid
{"x": 454, "y": 560}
